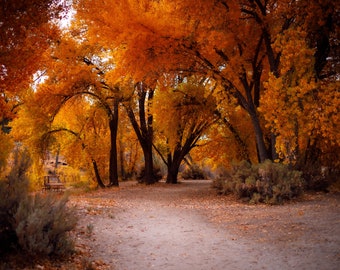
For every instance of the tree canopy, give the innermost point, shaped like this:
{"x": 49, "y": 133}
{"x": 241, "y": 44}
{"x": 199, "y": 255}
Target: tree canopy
{"x": 259, "y": 78}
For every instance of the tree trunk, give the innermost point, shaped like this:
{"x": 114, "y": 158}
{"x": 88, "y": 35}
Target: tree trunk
{"x": 148, "y": 177}
{"x": 248, "y": 104}
{"x": 173, "y": 168}
{"x": 96, "y": 173}
{"x": 113, "y": 166}
{"x": 121, "y": 161}
{"x": 172, "y": 175}
{"x": 261, "y": 147}
{"x": 144, "y": 130}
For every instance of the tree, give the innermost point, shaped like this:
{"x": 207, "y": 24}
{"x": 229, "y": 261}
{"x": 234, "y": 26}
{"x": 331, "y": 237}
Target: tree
{"x": 294, "y": 20}
{"x": 247, "y": 48}
{"x": 26, "y": 30}
{"x": 143, "y": 129}
{"x": 305, "y": 106}
{"x": 85, "y": 138}
{"x": 84, "y": 78}
{"x": 182, "y": 115}
{"x": 204, "y": 38}
{"x": 130, "y": 154}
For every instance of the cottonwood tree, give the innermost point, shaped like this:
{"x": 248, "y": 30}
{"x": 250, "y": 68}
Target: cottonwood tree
{"x": 76, "y": 72}
{"x": 130, "y": 154}
{"x": 85, "y": 138}
{"x": 169, "y": 36}
{"x": 297, "y": 49}
{"x": 306, "y": 105}
{"x": 182, "y": 115}
{"x": 142, "y": 122}
{"x": 232, "y": 41}
{"x": 26, "y": 30}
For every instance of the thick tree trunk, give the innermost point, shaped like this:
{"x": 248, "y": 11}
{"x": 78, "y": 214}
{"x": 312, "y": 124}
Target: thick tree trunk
{"x": 173, "y": 168}
{"x": 261, "y": 147}
{"x": 172, "y": 175}
{"x": 248, "y": 103}
{"x": 148, "y": 177}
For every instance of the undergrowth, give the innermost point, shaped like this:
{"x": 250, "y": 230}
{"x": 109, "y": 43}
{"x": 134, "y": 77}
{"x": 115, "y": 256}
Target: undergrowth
{"x": 193, "y": 172}
{"x": 267, "y": 182}
{"x": 36, "y": 224}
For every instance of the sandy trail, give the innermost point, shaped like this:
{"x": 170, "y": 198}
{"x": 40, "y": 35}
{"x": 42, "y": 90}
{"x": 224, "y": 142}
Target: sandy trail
{"x": 188, "y": 227}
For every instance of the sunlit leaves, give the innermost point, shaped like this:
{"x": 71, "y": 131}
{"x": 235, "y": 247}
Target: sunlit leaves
{"x": 296, "y": 105}
{"x": 182, "y": 112}
{"x": 25, "y": 34}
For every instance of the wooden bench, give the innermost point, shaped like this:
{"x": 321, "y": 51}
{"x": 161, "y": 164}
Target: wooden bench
{"x": 52, "y": 182}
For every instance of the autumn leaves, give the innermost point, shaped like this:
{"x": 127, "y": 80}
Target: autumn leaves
{"x": 242, "y": 79}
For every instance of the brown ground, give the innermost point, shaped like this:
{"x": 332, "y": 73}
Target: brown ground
{"x": 188, "y": 226}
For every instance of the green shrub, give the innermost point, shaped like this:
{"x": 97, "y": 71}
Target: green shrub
{"x": 35, "y": 224}
{"x": 266, "y": 182}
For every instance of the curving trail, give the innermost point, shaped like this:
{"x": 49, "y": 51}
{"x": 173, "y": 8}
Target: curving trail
{"x": 187, "y": 226}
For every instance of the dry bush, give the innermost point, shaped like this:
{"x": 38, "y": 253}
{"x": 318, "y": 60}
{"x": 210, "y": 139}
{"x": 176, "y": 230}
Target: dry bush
{"x": 35, "y": 224}
{"x": 266, "y": 182}
{"x": 194, "y": 172}
{"x": 42, "y": 225}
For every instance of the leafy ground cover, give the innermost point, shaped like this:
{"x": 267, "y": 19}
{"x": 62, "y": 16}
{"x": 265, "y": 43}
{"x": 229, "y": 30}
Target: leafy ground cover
{"x": 187, "y": 226}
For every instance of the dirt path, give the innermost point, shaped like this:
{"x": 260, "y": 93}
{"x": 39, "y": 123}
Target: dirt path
{"x": 188, "y": 227}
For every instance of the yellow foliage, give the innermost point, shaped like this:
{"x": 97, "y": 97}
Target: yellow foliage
{"x": 182, "y": 111}
{"x": 296, "y": 105}
{"x": 6, "y": 146}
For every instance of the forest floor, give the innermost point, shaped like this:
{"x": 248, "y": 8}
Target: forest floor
{"x": 188, "y": 226}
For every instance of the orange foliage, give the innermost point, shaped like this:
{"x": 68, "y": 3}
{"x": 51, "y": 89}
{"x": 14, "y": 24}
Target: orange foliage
{"x": 25, "y": 34}
{"x": 266, "y": 61}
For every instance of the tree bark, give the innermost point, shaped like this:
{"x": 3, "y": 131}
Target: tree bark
{"x": 261, "y": 147}
{"x": 148, "y": 177}
{"x": 172, "y": 175}
{"x": 174, "y": 160}
{"x": 121, "y": 161}
{"x": 173, "y": 169}
{"x": 144, "y": 130}
{"x": 113, "y": 166}
{"x": 97, "y": 174}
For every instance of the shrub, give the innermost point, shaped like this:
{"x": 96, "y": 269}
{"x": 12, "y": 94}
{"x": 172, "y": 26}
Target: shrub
{"x": 266, "y": 182}
{"x": 13, "y": 190}
{"x": 42, "y": 224}
{"x": 157, "y": 173}
{"x": 35, "y": 224}
{"x": 193, "y": 172}
{"x": 318, "y": 177}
